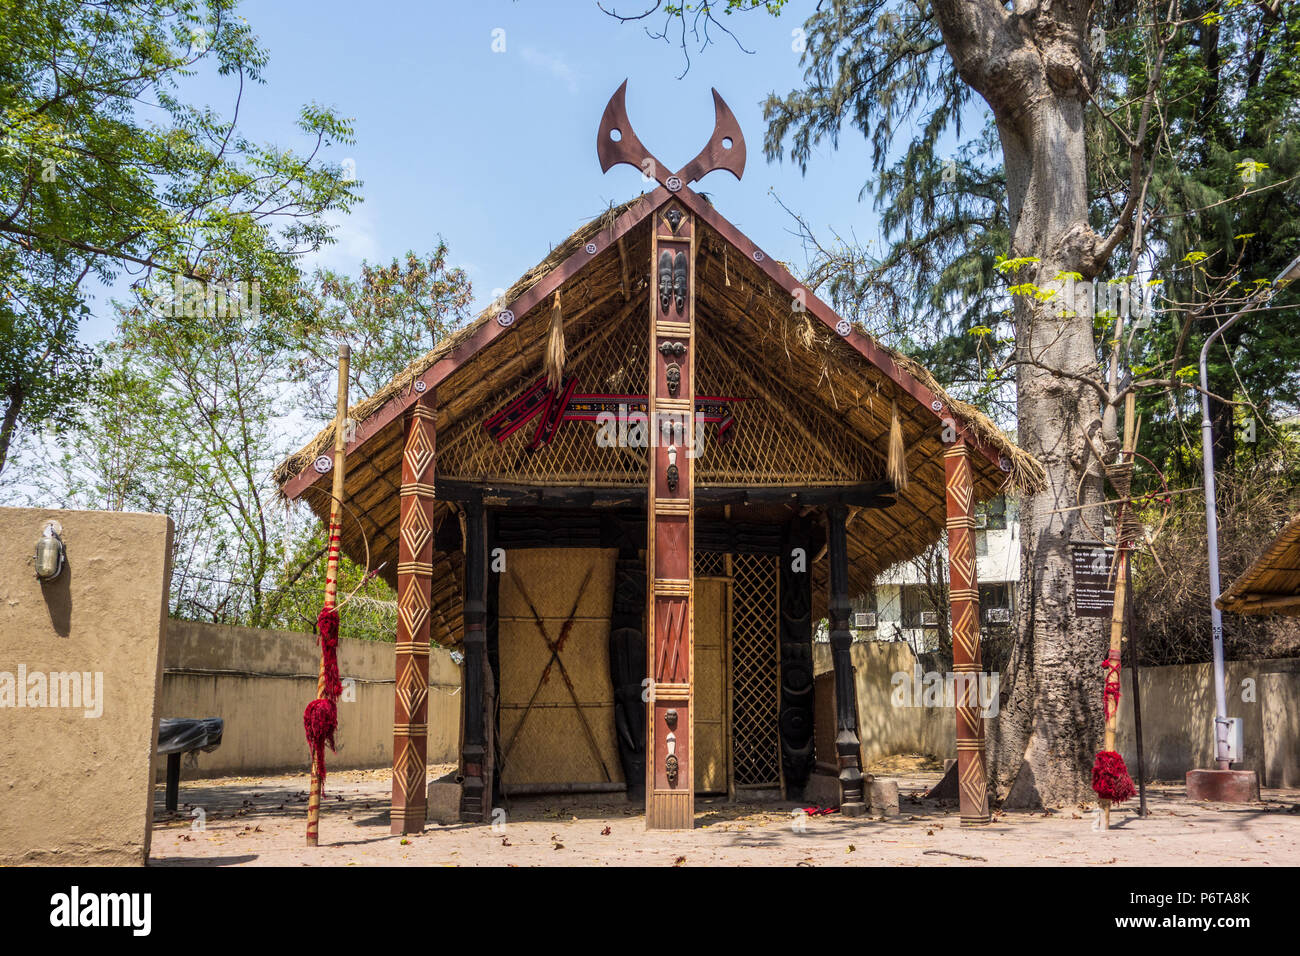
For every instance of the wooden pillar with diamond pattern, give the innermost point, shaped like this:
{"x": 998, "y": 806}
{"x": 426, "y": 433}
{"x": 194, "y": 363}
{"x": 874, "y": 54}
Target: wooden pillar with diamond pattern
{"x": 963, "y": 597}
{"x": 414, "y": 588}
{"x": 670, "y": 650}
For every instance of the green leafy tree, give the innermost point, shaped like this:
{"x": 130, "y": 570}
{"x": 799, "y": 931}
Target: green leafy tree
{"x": 105, "y": 170}
{"x": 390, "y": 315}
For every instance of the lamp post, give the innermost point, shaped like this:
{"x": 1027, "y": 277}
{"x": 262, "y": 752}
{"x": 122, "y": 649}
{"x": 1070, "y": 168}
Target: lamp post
{"x": 1290, "y": 273}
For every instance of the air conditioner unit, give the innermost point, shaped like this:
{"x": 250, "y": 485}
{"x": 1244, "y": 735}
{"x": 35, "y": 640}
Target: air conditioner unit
{"x": 999, "y": 615}
{"x": 929, "y": 618}
{"x": 864, "y": 620}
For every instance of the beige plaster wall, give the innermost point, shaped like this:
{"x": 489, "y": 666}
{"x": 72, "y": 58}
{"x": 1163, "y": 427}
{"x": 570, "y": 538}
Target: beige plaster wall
{"x": 259, "y": 681}
{"x": 884, "y": 728}
{"x": 1177, "y": 714}
{"x": 76, "y": 789}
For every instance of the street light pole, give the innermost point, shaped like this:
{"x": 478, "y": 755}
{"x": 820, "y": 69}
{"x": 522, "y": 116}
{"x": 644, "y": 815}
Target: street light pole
{"x": 1290, "y": 273}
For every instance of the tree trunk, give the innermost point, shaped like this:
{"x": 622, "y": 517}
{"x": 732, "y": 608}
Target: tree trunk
{"x": 10, "y": 424}
{"x": 1026, "y": 64}
{"x": 1050, "y": 728}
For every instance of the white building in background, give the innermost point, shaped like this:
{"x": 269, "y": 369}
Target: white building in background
{"x": 905, "y": 606}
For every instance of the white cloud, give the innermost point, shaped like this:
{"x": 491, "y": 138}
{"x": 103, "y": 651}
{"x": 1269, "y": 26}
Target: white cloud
{"x": 553, "y": 64}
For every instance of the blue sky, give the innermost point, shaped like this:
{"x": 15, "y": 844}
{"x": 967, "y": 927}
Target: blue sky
{"x": 495, "y": 151}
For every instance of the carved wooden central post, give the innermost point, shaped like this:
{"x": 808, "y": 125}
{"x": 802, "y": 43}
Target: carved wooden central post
{"x": 670, "y": 775}
{"x": 963, "y": 597}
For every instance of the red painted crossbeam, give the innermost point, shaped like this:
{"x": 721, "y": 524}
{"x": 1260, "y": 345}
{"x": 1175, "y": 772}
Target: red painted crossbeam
{"x": 569, "y": 405}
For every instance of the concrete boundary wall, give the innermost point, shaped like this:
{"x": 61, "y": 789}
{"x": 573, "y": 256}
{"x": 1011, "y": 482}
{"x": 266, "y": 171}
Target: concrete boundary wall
{"x": 259, "y": 681}
{"x": 1178, "y": 719}
{"x": 1177, "y": 713}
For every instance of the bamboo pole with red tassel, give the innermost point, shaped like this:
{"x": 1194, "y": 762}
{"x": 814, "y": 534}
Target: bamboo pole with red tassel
{"x": 327, "y": 682}
{"x": 1110, "y": 778}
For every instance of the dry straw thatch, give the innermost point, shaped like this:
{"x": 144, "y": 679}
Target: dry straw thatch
{"x": 817, "y": 412}
{"x": 1272, "y": 584}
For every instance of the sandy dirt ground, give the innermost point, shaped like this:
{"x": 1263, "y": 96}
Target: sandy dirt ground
{"x": 261, "y": 821}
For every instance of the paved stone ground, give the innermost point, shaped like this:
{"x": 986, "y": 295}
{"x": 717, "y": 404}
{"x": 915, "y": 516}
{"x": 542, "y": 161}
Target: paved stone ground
{"x": 262, "y": 820}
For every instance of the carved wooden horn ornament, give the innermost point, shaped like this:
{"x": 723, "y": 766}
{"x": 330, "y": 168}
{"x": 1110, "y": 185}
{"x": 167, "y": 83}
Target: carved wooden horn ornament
{"x": 724, "y": 150}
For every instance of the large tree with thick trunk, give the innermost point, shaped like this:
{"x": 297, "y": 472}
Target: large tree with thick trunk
{"x": 1031, "y": 65}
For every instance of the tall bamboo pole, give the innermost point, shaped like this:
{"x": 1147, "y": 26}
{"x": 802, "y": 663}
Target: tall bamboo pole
{"x": 331, "y": 570}
{"x": 1121, "y": 596}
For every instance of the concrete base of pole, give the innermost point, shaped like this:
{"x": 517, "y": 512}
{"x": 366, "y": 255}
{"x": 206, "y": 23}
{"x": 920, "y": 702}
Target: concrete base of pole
{"x": 1223, "y": 786}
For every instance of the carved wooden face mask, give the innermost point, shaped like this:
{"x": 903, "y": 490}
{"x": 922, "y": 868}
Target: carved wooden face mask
{"x": 679, "y": 282}
{"x": 665, "y": 280}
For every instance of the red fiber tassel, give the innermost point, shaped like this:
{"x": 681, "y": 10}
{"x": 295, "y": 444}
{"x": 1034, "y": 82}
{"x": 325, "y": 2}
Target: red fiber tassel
{"x": 320, "y": 720}
{"x": 327, "y": 625}
{"x": 1110, "y": 777}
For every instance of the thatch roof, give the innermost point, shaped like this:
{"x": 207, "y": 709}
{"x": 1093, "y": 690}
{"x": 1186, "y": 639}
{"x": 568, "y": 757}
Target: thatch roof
{"x": 817, "y": 412}
{"x": 1272, "y": 584}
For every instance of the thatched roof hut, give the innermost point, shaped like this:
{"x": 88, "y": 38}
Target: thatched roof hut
{"x": 669, "y": 567}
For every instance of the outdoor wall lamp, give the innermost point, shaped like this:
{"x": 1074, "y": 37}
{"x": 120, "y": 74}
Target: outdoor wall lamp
{"x": 49, "y": 553}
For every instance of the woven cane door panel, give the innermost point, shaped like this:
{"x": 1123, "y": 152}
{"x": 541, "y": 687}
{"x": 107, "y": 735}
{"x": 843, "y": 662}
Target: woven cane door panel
{"x": 710, "y": 690}
{"x": 544, "y": 736}
{"x": 755, "y": 672}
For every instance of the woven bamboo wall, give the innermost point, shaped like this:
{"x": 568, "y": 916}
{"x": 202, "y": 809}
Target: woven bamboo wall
{"x": 550, "y": 745}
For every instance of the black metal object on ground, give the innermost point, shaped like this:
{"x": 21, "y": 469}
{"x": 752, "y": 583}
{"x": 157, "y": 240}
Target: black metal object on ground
{"x": 182, "y": 735}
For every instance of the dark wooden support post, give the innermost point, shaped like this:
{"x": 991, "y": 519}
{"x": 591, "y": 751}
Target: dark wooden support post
{"x": 963, "y": 597}
{"x": 670, "y": 523}
{"x": 475, "y": 748}
{"x": 414, "y": 594}
{"x": 627, "y": 655}
{"x": 796, "y": 717}
{"x": 848, "y": 749}
{"x": 492, "y": 647}
{"x": 173, "y": 782}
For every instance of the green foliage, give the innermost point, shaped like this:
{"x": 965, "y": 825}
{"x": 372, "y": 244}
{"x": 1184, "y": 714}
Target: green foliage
{"x": 104, "y": 167}
{"x": 390, "y": 315}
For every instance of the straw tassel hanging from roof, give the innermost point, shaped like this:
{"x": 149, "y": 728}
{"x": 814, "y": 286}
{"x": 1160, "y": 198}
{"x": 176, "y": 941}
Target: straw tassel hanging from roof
{"x": 555, "y": 344}
{"x": 896, "y": 463}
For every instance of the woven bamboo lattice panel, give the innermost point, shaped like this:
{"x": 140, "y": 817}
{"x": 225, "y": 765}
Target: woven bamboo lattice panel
{"x": 755, "y": 672}
{"x": 611, "y": 358}
{"x": 779, "y": 438}
{"x": 710, "y": 564}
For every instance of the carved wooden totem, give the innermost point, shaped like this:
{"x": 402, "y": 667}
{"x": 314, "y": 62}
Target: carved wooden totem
{"x": 670, "y": 778}
{"x": 414, "y": 586}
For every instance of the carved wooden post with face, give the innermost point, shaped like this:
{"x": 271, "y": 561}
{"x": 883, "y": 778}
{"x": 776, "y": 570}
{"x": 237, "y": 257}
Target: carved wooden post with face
{"x": 414, "y": 587}
{"x": 670, "y": 503}
{"x": 670, "y": 777}
{"x": 963, "y": 597}
{"x": 848, "y": 749}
